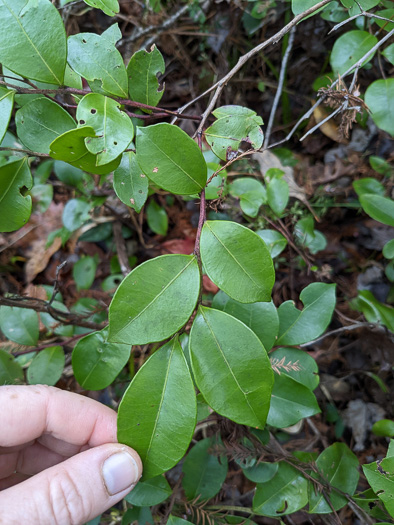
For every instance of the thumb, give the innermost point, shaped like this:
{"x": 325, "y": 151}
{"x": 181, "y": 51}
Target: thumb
{"x": 74, "y": 491}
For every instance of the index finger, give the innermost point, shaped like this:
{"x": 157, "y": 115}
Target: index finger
{"x": 28, "y": 412}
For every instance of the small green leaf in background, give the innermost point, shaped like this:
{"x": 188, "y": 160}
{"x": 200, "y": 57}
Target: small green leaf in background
{"x": 251, "y": 192}
{"x": 203, "y": 410}
{"x": 130, "y": 184}
{"x": 277, "y": 195}
{"x": 149, "y": 493}
{"x": 109, "y": 7}
{"x": 157, "y": 414}
{"x": 380, "y": 476}
{"x": 40, "y": 122}
{"x": 368, "y": 185}
{"x": 75, "y": 214}
{"x": 19, "y": 325}
{"x": 171, "y": 159}
{"x": 261, "y": 472}
{"x": 15, "y": 205}
{"x": 164, "y": 289}
{"x": 42, "y": 196}
{"x": 379, "y": 97}
{"x": 237, "y": 260}
{"x": 274, "y": 240}
{"x": 96, "y": 58}
{"x": 218, "y": 186}
{"x": 142, "y": 71}
{"x": 140, "y": 515}
{"x": 54, "y": 325}
{"x": 338, "y": 466}
{"x": 84, "y": 272}
{"x": 261, "y": 317}
{"x": 67, "y": 173}
{"x": 385, "y": 13}
{"x": 383, "y": 427}
{"x": 231, "y": 367}
{"x": 389, "y": 53}
{"x": 24, "y": 31}
{"x": 71, "y": 148}
{"x": 349, "y": 48}
{"x": 46, "y": 367}
{"x": 96, "y": 362}
{"x": 234, "y": 125}
{"x": 306, "y": 235}
{"x": 11, "y": 372}
{"x": 284, "y": 494}
{"x": 374, "y": 311}
{"x": 174, "y": 520}
{"x": 297, "y": 327}
{"x": 203, "y": 473}
{"x": 157, "y": 218}
{"x": 6, "y": 105}
{"x": 388, "y": 249}
{"x": 114, "y": 129}
{"x": 379, "y": 208}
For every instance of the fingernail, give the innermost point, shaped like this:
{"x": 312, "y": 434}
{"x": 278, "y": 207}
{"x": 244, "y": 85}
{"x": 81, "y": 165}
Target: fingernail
{"x": 120, "y": 471}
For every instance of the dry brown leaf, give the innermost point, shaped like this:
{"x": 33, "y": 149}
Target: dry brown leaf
{"x": 39, "y": 257}
{"x": 330, "y": 129}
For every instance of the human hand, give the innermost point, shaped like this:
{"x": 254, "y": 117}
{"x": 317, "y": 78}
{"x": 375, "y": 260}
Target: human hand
{"x": 59, "y": 459}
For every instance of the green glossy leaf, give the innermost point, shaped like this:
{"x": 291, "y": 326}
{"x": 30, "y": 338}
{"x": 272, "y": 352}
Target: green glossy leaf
{"x": 290, "y": 402}
{"x": 140, "y": 515}
{"x": 96, "y": 58}
{"x": 203, "y": 473}
{"x": 96, "y": 362}
{"x": 114, "y": 129}
{"x": 385, "y": 13}
{"x": 109, "y": 7}
{"x": 19, "y": 325}
{"x": 389, "y": 53}
{"x": 15, "y": 206}
{"x": 6, "y": 105}
{"x": 75, "y": 214}
{"x": 374, "y": 311}
{"x": 388, "y": 249}
{"x": 40, "y": 122}
{"x": 261, "y": 317}
{"x": 297, "y": 364}
{"x": 307, "y": 236}
{"x": 157, "y": 414}
{"x": 53, "y": 324}
{"x": 338, "y": 467}
{"x": 218, "y": 186}
{"x": 11, "y": 372}
{"x": 299, "y": 6}
{"x": 231, "y": 367}
{"x": 379, "y": 97}
{"x": 349, "y": 48}
{"x": 274, "y": 240}
{"x": 174, "y": 520}
{"x": 42, "y": 196}
{"x": 237, "y": 260}
{"x": 157, "y": 218}
{"x": 379, "y": 208}
{"x": 67, "y": 173}
{"x": 149, "y": 493}
{"x": 171, "y": 159}
{"x": 251, "y": 192}
{"x": 234, "y": 125}
{"x": 277, "y": 195}
{"x": 284, "y": 494}
{"x": 46, "y": 367}
{"x": 203, "y": 410}
{"x": 295, "y": 326}
{"x": 383, "y": 427}
{"x": 368, "y": 185}
{"x": 164, "y": 289}
{"x": 84, "y": 272}
{"x": 261, "y": 472}
{"x": 142, "y": 72}
{"x": 380, "y": 476}
{"x": 70, "y": 147}
{"x": 24, "y": 44}
{"x": 130, "y": 184}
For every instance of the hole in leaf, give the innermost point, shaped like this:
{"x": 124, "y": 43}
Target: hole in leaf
{"x": 84, "y": 41}
{"x": 115, "y": 143}
{"x": 371, "y": 505}
{"x": 82, "y": 122}
{"x": 23, "y": 191}
{"x": 93, "y": 111}
{"x": 283, "y": 509}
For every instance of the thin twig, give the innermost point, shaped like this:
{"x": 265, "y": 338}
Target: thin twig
{"x": 29, "y": 152}
{"x": 363, "y": 13}
{"x": 66, "y": 342}
{"x": 342, "y": 330}
{"x": 278, "y": 93}
{"x": 59, "y": 268}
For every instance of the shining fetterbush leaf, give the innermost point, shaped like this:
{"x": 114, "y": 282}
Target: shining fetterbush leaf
{"x": 130, "y": 184}
{"x": 40, "y": 122}
{"x": 295, "y": 326}
{"x": 109, "y": 7}
{"x": 19, "y": 325}
{"x": 379, "y": 208}
{"x": 234, "y": 125}
{"x": 251, "y": 192}
{"x": 149, "y": 493}
{"x": 114, "y": 129}
{"x": 389, "y": 53}
{"x": 142, "y": 71}
{"x": 174, "y": 520}
{"x": 151, "y": 417}
{"x": 290, "y": 402}
{"x": 25, "y": 45}
{"x": 338, "y": 466}
{"x": 96, "y": 362}
{"x": 96, "y": 58}
{"x": 231, "y": 367}
{"x": 373, "y": 310}
{"x": 70, "y": 147}
{"x": 157, "y": 218}
{"x": 261, "y": 472}
{"x": 261, "y": 317}
{"x": 15, "y": 206}
{"x": 164, "y": 289}
{"x": 297, "y": 364}
{"x": 379, "y": 97}
{"x": 203, "y": 473}
{"x": 349, "y": 48}
{"x": 47, "y": 366}
{"x": 277, "y": 195}
{"x": 6, "y": 105}
{"x": 75, "y": 213}
{"x": 368, "y": 185}
{"x": 11, "y": 372}
{"x": 274, "y": 240}
{"x": 237, "y": 260}
{"x": 381, "y": 478}
{"x": 284, "y": 494}
{"x": 84, "y": 272}
{"x": 171, "y": 159}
